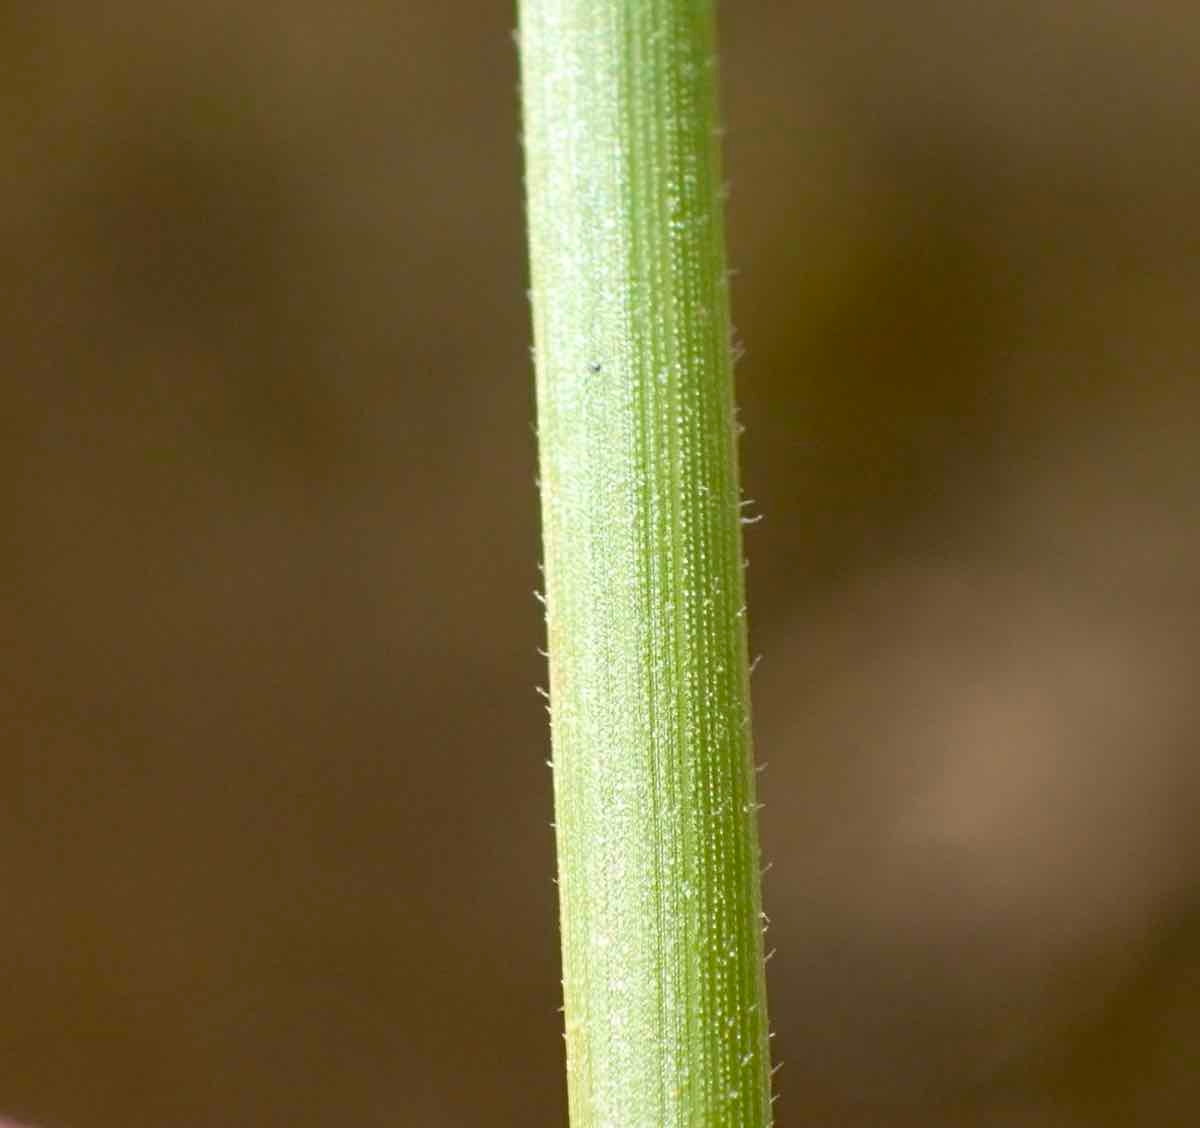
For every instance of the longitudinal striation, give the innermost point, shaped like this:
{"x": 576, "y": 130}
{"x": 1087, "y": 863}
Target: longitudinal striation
{"x": 664, "y": 1000}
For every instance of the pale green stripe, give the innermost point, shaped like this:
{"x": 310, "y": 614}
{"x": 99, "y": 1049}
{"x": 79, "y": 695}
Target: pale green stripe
{"x": 654, "y": 786}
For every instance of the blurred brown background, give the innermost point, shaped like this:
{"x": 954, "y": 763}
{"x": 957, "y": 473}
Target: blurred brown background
{"x": 273, "y": 842}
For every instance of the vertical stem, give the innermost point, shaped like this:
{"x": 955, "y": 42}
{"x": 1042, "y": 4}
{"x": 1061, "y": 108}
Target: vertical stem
{"x": 658, "y": 857}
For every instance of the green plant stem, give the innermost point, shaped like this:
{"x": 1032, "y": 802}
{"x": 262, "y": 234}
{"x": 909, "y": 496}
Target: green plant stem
{"x": 658, "y": 855}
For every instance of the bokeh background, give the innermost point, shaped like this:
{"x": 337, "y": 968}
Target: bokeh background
{"x": 274, "y": 842}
